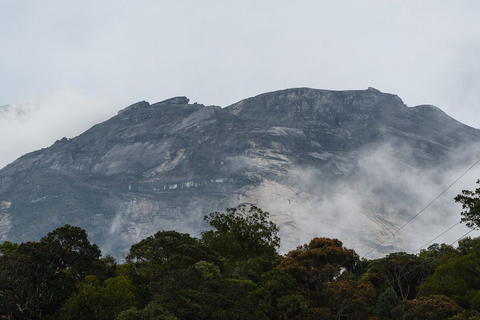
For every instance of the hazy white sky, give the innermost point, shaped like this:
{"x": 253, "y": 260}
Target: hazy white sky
{"x": 66, "y": 65}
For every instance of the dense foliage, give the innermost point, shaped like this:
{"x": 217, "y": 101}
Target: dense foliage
{"x": 234, "y": 272}
{"x": 471, "y": 205}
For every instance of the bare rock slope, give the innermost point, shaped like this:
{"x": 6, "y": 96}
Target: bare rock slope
{"x": 318, "y": 160}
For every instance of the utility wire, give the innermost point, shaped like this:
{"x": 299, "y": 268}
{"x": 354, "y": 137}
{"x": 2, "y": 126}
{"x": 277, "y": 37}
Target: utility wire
{"x": 396, "y": 280}
{"x": 461, "y": 237}
{"x": 428, "y": 205}
{"x": 436, "y": 237}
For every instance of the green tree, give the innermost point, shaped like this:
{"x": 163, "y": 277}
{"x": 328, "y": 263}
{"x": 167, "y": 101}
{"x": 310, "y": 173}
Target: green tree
{"x": 163, "y": 264}
{"x": 70, "y": 248}
{"x": 95, "y": 300}
{"x": 242, "y": 233}
{"x": 467, "y": 245}
{"x": 176, "y": 272}
{"x": 436, "y": 251}
{"x": 386, "y": 302}
{"x": 7, "y": 248}
{"x": 467, "y": 315}
{"x": 273, "y": 285}
{"x": 317, "y": 263}
{"x": 435, "y": 307}
{"x": 457, "y": 277}
{"x": 348, "y": 299}
{"x": 292, "y": 307}
{"x": 233, "y": 300}
{"x": 167, "y": 248}
{"x": 38, "y": 277}
{"x": 402, "y": 272}
{"x": 470, "y": 201}
{"x": 151, "y": 312}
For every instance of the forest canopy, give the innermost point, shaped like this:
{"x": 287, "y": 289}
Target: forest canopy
{"x": 234, "y": 271}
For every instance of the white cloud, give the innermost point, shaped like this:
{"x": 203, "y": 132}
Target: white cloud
{"x": 25, "y": 127}
{"x": 373, "y": 200}
{"x": 218, "y": 52}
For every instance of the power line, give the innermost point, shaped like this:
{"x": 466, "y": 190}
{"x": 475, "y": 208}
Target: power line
{"x": 428, "y": 205}
{"x": 461, "y": 237}
{"x": 421, "y": 265}
{"x": 437, "y": 237}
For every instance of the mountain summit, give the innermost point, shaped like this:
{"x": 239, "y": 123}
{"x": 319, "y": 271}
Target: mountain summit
{"x": 320, "y": 161}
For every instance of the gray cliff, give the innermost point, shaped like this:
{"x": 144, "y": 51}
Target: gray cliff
{"x": 165, "y": 165}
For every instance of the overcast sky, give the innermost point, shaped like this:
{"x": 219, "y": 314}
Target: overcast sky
{"x": 67, "y": 65}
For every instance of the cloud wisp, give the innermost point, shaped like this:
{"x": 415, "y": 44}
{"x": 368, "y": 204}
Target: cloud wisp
{"x": 378, "y": 192}
{"x": 38, "y": 123}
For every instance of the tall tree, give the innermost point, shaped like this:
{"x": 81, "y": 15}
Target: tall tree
{"x": 38, "y": 277}
{"x": 435, "y": 307}
{"x": 348, "y": 299}
{"x": 457, "y": 278}
{"x": 317, "y": 263}
{"x": 386, "y": 302}
{"x": 168, "y": 268}
{"x": 402, "y": 272}
{"x": 95, "y": 300}
{"x": 470, "y": 201}
{"x": 242, "y": 233}
{"x": 245, "y": 239}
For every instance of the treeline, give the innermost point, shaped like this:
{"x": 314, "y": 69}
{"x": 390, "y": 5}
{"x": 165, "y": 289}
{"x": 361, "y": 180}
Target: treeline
{"x": 234, "y": 272}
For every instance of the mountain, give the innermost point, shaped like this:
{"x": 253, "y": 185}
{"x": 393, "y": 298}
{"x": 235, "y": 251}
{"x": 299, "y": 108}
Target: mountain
{"x": 342, "y": 163}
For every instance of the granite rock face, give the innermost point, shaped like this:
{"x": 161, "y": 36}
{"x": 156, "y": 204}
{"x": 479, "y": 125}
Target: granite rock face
{"x": 165, "y": 165}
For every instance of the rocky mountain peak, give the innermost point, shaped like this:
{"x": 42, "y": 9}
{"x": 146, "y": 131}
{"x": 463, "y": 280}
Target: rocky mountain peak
{"x": 306, "y": 102}
{"x": 165, "y": 165}
{"x": 135, "y": 106}
{"x": 175, "y": 100}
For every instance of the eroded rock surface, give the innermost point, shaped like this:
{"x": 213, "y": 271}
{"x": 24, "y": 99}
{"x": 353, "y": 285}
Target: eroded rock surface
{"x": 294, "y": 152}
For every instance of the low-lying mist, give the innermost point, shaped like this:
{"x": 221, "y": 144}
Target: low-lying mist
{"x": 365, "y": 197}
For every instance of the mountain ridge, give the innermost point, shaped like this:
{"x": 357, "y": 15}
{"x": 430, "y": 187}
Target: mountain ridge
{"x": 164, "y": 165}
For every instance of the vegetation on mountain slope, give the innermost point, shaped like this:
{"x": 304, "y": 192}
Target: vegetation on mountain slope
{"x": 235, "y": 272}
